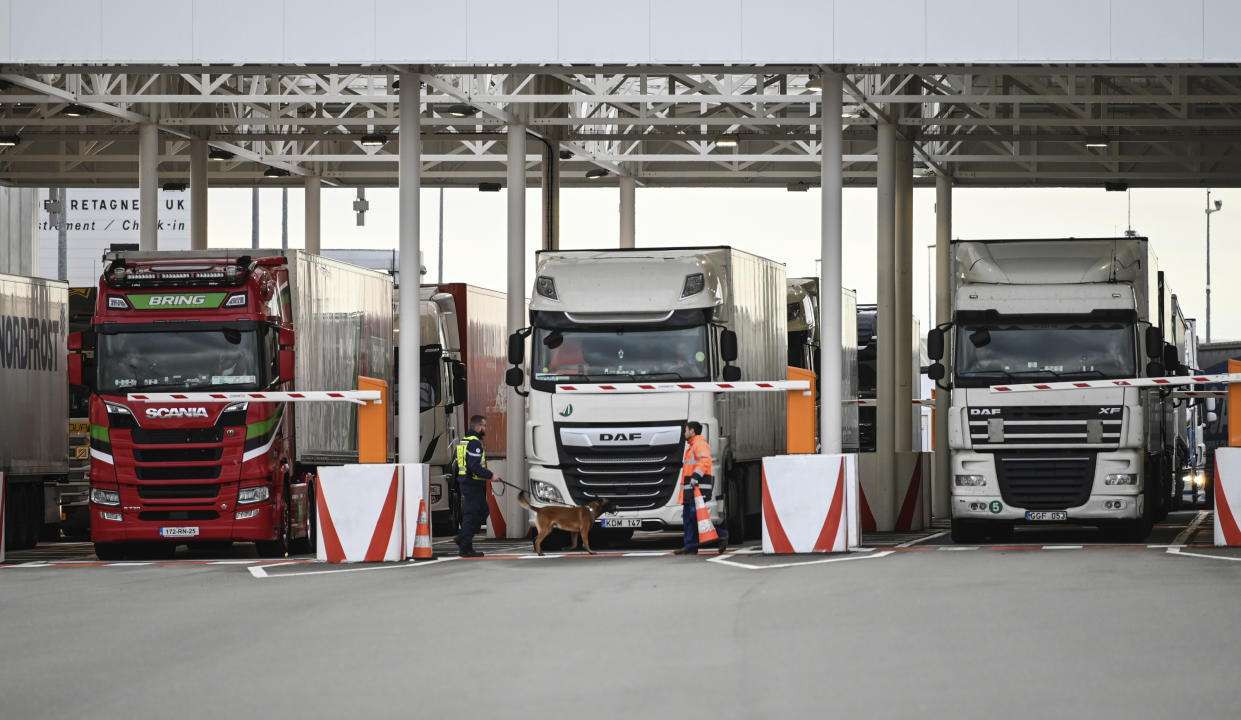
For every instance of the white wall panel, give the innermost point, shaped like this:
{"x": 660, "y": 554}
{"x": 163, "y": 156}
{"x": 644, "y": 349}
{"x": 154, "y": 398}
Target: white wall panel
{"x": 147, "y": 30}
{"x": 421, "y": 31}
{"x": 55, "y": 30}
{"x": 787, "y": 31}
{"x": 329, "y": 31}
{"x": 1068, "y": 30}
{"x": 1157, "y": 30}
{"x": 507, "y": 31}
{"x": 707, "y": 31}
{"x": 229, "y": 30}
{"x": 627, "y": 38}
{"x": 880, "y": 30}
{"x": 972, "y": 31}
{"x": 1221, "y": 30}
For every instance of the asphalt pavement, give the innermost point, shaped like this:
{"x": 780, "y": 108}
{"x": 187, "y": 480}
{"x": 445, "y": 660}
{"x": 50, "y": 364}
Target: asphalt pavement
{"x": 1056, "y": 623}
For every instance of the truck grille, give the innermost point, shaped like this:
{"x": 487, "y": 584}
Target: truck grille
{"x": 177, "y": 492}
{"x": 154, "y": 455}
{"x": 634, "y": 478}
{"x": 1046, "y": 425}
{"x": 178, "y": 436}
{"x": 179, "y": 472}
{"x": 1045, "y": 481}
{"x": 178, "y": 515}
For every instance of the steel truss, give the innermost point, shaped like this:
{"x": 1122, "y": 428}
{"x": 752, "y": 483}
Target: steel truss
{"x": 1068, "y": 125}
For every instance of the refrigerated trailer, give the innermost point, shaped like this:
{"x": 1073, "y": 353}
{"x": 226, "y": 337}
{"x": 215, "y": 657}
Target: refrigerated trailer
{"x": 653, "y": 314}
{"x": 1029, "y": 311}
{"x": 35, "y": 417}
{"x": 220, "y": 320}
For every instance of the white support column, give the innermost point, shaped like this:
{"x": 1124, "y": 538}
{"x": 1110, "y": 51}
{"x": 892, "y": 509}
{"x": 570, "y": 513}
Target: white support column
{"x": 940, "y": 498}
{"x": 903, "y": 347}
{"x": 830, "y": 364}
{"x": 312, "y": 221}
{"x": 627, "y": 209}
{"x": 409, "y": 179}
{"x": 515, "y": 460}
{"x": 885, "y": 391}
{"x": 148, "y": 186}
{"x": 198, "y": 194}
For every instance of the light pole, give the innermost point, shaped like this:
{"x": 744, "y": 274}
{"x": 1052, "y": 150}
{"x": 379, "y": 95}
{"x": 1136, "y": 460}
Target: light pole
{"x": 1219, "y": 205}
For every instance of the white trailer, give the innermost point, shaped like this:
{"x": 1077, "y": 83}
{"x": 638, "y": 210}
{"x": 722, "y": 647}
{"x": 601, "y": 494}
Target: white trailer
{"x": 1046, "y": 310}
{"x": 654, "y": 314}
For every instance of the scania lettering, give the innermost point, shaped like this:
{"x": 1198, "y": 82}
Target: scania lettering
{"x": 202, "y": 321}
{"x": 1051, "y": 310}
{"x": 654, "y": 314}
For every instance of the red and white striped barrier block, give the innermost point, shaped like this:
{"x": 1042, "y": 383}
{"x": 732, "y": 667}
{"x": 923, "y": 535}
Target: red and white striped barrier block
{"x": 810, "y": 504}
{"x": 1227, "y": 496}
{"x": 671, "y": 387}
{"x": 359, "y": 513}
{"x": 1127, "y": 382}
{"x": 417, "y": 486}
{"x": 360, "y": 397}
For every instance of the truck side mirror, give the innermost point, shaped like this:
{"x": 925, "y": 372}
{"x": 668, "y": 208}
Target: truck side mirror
{"x": 287, "y": 358}
{"x": 1154, "y": 342}
{"x": 935, "y": 371}
{"x": 75, "y": 368}
{"x": 1171, "y": 362}
{"x": 1154, "y": 368}
{"x": 460, "y": 388}
{"x": 285, "y": 337}
{"x": 1211, "y": 404}
{"x": 516, "y": 350}
{"x": 514, "y": 377}
{"x": 732, "y": 373}
{"x": 728, "y": 346}
{"x": 1212, "y": 417}
{"x": 935, "y": 345}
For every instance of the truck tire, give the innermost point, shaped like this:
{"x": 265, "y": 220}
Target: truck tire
{"x": 280, "y": 546}
{"x": 966, "y": 532}
{"x": 734, "y": 507}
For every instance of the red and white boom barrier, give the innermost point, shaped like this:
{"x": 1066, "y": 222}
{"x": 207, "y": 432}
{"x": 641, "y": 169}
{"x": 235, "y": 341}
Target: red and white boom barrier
{"x": 872, "y": 402}
{"x": 360, "y": 397}
{"x": 1156, "y": 382}
{"x": 671, "y": 387}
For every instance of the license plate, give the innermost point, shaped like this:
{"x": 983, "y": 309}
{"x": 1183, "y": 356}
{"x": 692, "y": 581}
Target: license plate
{"x": 621, "y": 523}
{"x": 1047, "y": 516}
{"x": 78, "y": 428}
{"x": 170, "y": 532}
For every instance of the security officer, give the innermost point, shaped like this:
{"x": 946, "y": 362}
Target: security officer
{"x": 696, "y": 470}
{"x": 472, "y": 474}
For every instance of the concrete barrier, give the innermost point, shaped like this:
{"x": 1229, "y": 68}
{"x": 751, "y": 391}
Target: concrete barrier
{"x": 1227, "y": 496}
{"x": 901, "y": 503}
{"x": 810, "y": 504}
{"x": 360, "y": 513}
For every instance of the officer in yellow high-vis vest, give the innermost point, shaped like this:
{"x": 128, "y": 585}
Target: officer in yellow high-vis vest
{"x": 472, "y": 476}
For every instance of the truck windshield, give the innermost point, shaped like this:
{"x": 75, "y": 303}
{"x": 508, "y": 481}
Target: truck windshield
{"x": 580, "y": 356}
{"x": 225, "y": 359}
{"x": 1002, "y": 352}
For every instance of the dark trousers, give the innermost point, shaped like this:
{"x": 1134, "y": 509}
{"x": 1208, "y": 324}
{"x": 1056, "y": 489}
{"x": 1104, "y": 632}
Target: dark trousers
{"x": 689, "y": 518}
{"x": 473, "y": 510}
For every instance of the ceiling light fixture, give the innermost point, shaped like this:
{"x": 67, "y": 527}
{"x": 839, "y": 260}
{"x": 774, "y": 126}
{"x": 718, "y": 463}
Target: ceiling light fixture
{"x": 174, "y": 187}
{"x": 489, "y": 187}
{"x": 726, "y": 141}
{"x": 815, "y": 83}
{"x": 275, "y": 172}
{"x": 1097, "y": 142}
{"x": 76, "y": 110}
{"x": 596, "y": 173}
{"x": 374, "y": 140}
{"x": 9, "y": 140}
{"x": 218, "y": 154}
{"x": 461, "y": 110}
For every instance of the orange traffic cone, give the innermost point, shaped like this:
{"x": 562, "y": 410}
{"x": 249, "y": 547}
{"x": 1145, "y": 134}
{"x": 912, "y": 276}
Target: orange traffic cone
{"x": 422, "y": 536}
{"x": 706, "y": 530}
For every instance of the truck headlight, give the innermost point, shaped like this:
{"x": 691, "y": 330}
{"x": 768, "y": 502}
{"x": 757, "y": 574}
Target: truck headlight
{"x": 971, "y": 481}
{"x": 115, "y": 409}
{"x": 105, "y": 497}
{"x": 546, "y": 492}
{"x": 1200, "y": 479}
{"x": 247, "y": 514}
{"x": 249, "y": 495}
{"x": 1121, "y": 479}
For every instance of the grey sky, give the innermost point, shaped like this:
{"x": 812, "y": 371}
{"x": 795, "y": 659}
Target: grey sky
{"x": 778, "y": 224}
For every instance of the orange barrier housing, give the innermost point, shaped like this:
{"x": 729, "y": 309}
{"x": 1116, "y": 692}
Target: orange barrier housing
{"x": 373, "y": 423}
{"x": 800, "y": 415}
{"x": 1234, "y": 406}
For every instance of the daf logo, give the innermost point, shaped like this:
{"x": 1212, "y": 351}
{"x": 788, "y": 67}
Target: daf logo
{"x": 619, "y": 437}
{"x": 177, "y": 412}
{"x": 985, "y": 411}
{"x": 1109, "y": 411}
{"x": 178, "y": 300}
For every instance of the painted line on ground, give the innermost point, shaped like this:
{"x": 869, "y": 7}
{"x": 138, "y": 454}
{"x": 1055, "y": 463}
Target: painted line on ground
{"x": 916, "y": 541}
{"x": 261, "y": 573}
{"x": 1181, "y": 552}
{"x": 727, "y": 560}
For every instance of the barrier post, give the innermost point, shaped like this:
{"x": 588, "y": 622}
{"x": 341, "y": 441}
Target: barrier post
{"x": 800, "y": 415}
{"x": 373, "y": 423}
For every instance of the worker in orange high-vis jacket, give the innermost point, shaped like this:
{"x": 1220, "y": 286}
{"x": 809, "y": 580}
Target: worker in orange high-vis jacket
{"x": 696, "y": 470}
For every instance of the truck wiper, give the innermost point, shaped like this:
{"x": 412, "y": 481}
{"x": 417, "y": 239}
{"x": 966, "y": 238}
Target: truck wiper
{"x": 1052, "y": 373}
{"x": 982, "y": 373}
{"x": 612, "y": 376}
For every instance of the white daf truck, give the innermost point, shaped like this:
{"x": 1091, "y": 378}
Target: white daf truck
{"x": 1029, "y": 311}
{"x": 652, "y": 315}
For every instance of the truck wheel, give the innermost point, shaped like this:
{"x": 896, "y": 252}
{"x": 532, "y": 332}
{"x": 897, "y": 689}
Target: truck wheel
{"x": 734, "y": 508}
{"x": 280, "y": 546}
{"x": 306, "y": 545}
{"x": 110, "y": 551}
{"x": 965, "y": 532}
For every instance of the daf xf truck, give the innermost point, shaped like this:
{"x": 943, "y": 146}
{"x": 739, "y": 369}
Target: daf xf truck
{"x": 1030, "y": 311}
{"x": 652, "y": 315}
{"x": 199, "y": 321}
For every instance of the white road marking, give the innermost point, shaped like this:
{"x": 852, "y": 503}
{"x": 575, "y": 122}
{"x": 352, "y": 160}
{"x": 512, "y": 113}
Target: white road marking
{"x": 235, "y": 562}
{"x": 957, "y": 548}
{"x": 726, "y": 560}
{"x": 1062, "y": 547}
{"x": 261, "y": 573}
{"x": 1186, "y": 553}
{"x": 911, "y": 543}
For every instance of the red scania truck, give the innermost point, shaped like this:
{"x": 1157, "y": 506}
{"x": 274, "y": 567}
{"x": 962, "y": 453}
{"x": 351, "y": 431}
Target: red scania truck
{"x": 164, "y": 474}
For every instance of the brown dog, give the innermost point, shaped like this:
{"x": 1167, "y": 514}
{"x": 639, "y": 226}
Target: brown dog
{"x": 574, "y": 520}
